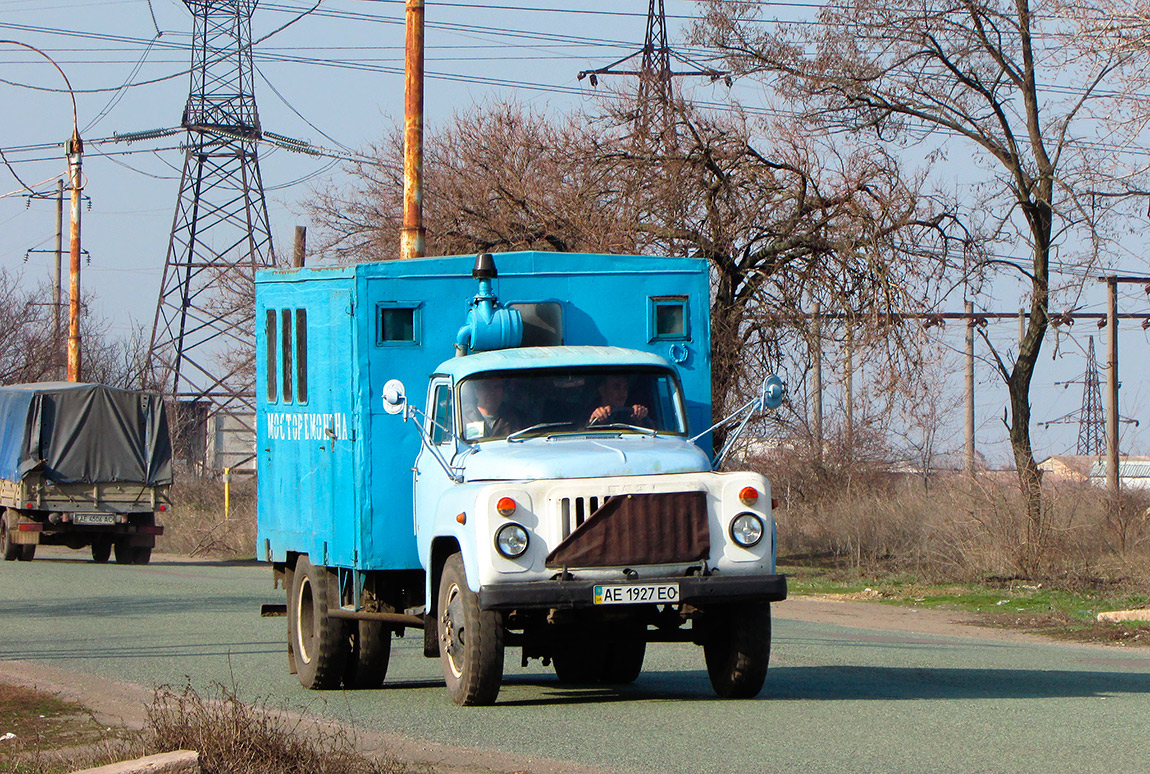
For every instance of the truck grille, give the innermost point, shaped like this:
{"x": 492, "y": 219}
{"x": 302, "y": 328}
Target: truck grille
{"x": 573, "y": 511}
{"x": 633, "y": 529}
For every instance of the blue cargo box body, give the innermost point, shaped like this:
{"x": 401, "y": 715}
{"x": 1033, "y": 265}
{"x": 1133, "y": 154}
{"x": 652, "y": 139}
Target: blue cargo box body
{"x": 335, "y": 470}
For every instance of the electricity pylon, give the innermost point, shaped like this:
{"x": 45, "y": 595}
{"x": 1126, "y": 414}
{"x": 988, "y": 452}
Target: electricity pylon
{"x": 202, "y": 337}
{"x": 1090, "y": 418}
{"x": 655, "y": 104}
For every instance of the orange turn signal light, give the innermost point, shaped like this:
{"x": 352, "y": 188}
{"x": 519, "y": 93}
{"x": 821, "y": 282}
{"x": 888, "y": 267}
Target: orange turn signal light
{"x": 505, "y": 506}
{"x": 748, "y": 495}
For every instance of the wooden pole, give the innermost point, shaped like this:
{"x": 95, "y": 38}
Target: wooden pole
{"x": 299, "y": 249}
{"x": 411, "y": 242}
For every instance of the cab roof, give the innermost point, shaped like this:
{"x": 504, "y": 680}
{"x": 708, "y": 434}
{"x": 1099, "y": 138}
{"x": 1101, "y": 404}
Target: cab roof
{"x": 526, "y": 358}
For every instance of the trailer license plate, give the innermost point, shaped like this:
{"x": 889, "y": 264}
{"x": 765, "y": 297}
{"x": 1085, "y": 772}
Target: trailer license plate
{"x": 94, "y": 518}
{"x": 633, "y": 594}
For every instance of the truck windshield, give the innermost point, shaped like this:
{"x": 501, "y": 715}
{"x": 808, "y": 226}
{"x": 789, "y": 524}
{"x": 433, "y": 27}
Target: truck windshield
{"x": 496, "y": 405}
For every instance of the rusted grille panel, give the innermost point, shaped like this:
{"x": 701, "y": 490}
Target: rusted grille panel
{"x": 634, "y": 529}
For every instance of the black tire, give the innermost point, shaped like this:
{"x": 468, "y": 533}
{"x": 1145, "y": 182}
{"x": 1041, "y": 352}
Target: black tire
{"x": 27, "y": 552}
{"x": 737, "y": 649}
{"x": 142, "y": 555}
{"x": 470, "y": 640}
{"x": 11, "y": 550}
{"x": 101, "y": 550}
{"x": 320, "y": 642}
{"x": 579, "y": 663}
{"x": 592, "y": 661}
{"x": 369, "y": 655}
{"x": 624, "y": 661}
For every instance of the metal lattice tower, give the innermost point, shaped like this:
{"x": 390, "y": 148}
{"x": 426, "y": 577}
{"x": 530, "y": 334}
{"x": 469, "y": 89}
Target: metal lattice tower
{"x": 1092, "y": 421}
{"x": 655, "y": 108}
{"x": 1091, "y": 418}
{"x": 202, "y": 337}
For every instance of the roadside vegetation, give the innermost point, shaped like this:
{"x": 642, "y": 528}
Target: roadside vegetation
{"x": 51, "y": 736}
{"x": 855, "y": 531}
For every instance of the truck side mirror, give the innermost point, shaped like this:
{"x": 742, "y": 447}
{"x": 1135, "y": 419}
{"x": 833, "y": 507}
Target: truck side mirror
{"x": 394, "y": 397}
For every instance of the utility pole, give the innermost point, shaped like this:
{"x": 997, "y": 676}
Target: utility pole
{"x": 75, "y": 150}
{"x": 850, "y": 389}
{"x": 57, "y": 355}
{"x": 817, "y": 388}
{"x": 299, "y": 249}
{"x": 969, "y": 391}
{"x": 412, "y": 242}
{"x": 1112, "y": 478}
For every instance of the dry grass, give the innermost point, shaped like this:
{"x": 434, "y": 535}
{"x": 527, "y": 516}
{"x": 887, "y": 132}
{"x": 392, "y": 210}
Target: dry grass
{"x": 236, "y": 738}
{"x": 956, "y": 528}
{"x": 199, "y": 525}
{"x": 54, "y": 737}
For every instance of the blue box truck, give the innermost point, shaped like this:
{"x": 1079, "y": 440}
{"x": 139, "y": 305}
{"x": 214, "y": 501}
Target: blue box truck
{"x": 507, "y": 451}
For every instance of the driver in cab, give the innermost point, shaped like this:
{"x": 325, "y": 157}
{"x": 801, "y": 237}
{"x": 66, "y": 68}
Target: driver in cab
{"x": 612, "y": 402}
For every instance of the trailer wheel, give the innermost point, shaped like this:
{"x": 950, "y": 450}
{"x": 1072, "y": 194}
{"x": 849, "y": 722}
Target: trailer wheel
{"x": 470, "y": 640}
{"x": 369, "y": 655}
{"x": 613, "y": 662}
{"x": 27, "y": 552}
{"x": 318, "y": 640}
{"x": 737, "y": 648}
{"x": 10, "y": 549}
{"x": 101, "y": 550}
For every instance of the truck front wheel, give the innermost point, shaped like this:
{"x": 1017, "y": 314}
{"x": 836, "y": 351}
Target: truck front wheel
{"x": 737, "y": 648}
{"x": 470, "y": 640}
{"x": 320, "y": 641}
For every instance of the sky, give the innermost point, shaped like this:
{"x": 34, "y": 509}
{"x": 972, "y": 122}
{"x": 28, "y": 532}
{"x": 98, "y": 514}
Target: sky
{"x": 334, "y": 78}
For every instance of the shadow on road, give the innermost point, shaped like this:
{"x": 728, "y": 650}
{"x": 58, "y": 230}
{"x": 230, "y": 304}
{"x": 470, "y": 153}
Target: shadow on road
{"x": 839, "y": 683}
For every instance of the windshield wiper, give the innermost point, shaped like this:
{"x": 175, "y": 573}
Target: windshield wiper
{"x": 623, "y": 426}
{"x": 520, "y": 435}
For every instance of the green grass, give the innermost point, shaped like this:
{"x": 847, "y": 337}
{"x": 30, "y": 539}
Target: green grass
{"x": 1066, "y": 613}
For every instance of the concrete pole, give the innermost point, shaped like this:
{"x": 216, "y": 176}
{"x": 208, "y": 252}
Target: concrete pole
{"x": 969, "y": 392}
{"x": 57, "y": 338}
{"x": 299, "y": 249}
{"x": 75, "y": 162}
{"x": 817, "y": 376}
{"x": 850, "y": 396}
{"x": 411, "y": 242}
{"x": 1112, "y": 479}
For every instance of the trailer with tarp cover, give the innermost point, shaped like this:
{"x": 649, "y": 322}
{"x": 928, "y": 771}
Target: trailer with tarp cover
{"x": 82, "y": 465}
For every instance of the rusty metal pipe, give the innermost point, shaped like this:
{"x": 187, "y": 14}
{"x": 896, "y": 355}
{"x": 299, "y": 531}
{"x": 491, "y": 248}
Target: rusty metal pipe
{"x": 411, "y": 243}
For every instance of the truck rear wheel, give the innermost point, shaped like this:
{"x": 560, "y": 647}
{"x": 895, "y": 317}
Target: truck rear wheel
{"x": 101, "y": 550}
{"x": 737, "y": 648}
{"x": 320, "y": 642}
{"x": 470, "y": 640}
{"x": 613, "y": 662}
{"x": 126, "y": 553}
{"x": 10, "y": 549}
{"x": 369, "y": 655}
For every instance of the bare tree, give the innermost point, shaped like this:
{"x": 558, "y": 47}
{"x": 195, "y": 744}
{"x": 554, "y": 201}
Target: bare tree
{"x": 995, "y": 76}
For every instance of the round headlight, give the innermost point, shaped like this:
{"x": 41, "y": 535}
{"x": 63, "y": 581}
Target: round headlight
{"x": 747, "y": 530}
{"x": 511, "y": 540}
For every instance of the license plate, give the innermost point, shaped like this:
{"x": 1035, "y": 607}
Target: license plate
{"x": 94, "y": 518}
{"x": 637, "y": 593}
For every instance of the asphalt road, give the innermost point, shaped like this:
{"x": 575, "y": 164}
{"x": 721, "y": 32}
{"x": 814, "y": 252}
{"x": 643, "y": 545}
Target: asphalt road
{"x": 838, "y": 698}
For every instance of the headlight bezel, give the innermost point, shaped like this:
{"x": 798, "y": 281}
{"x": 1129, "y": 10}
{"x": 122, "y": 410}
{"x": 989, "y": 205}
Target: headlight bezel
{"x": 506, "y": 530}
{"x": 737, "y": 532}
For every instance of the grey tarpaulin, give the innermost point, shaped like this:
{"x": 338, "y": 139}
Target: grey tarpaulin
{"x": 84, "y": 433}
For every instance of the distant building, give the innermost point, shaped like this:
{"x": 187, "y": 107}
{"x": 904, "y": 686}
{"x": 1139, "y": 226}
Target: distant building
{"x": 1133, "y": 473}
{"x": 1067, "y": 467}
